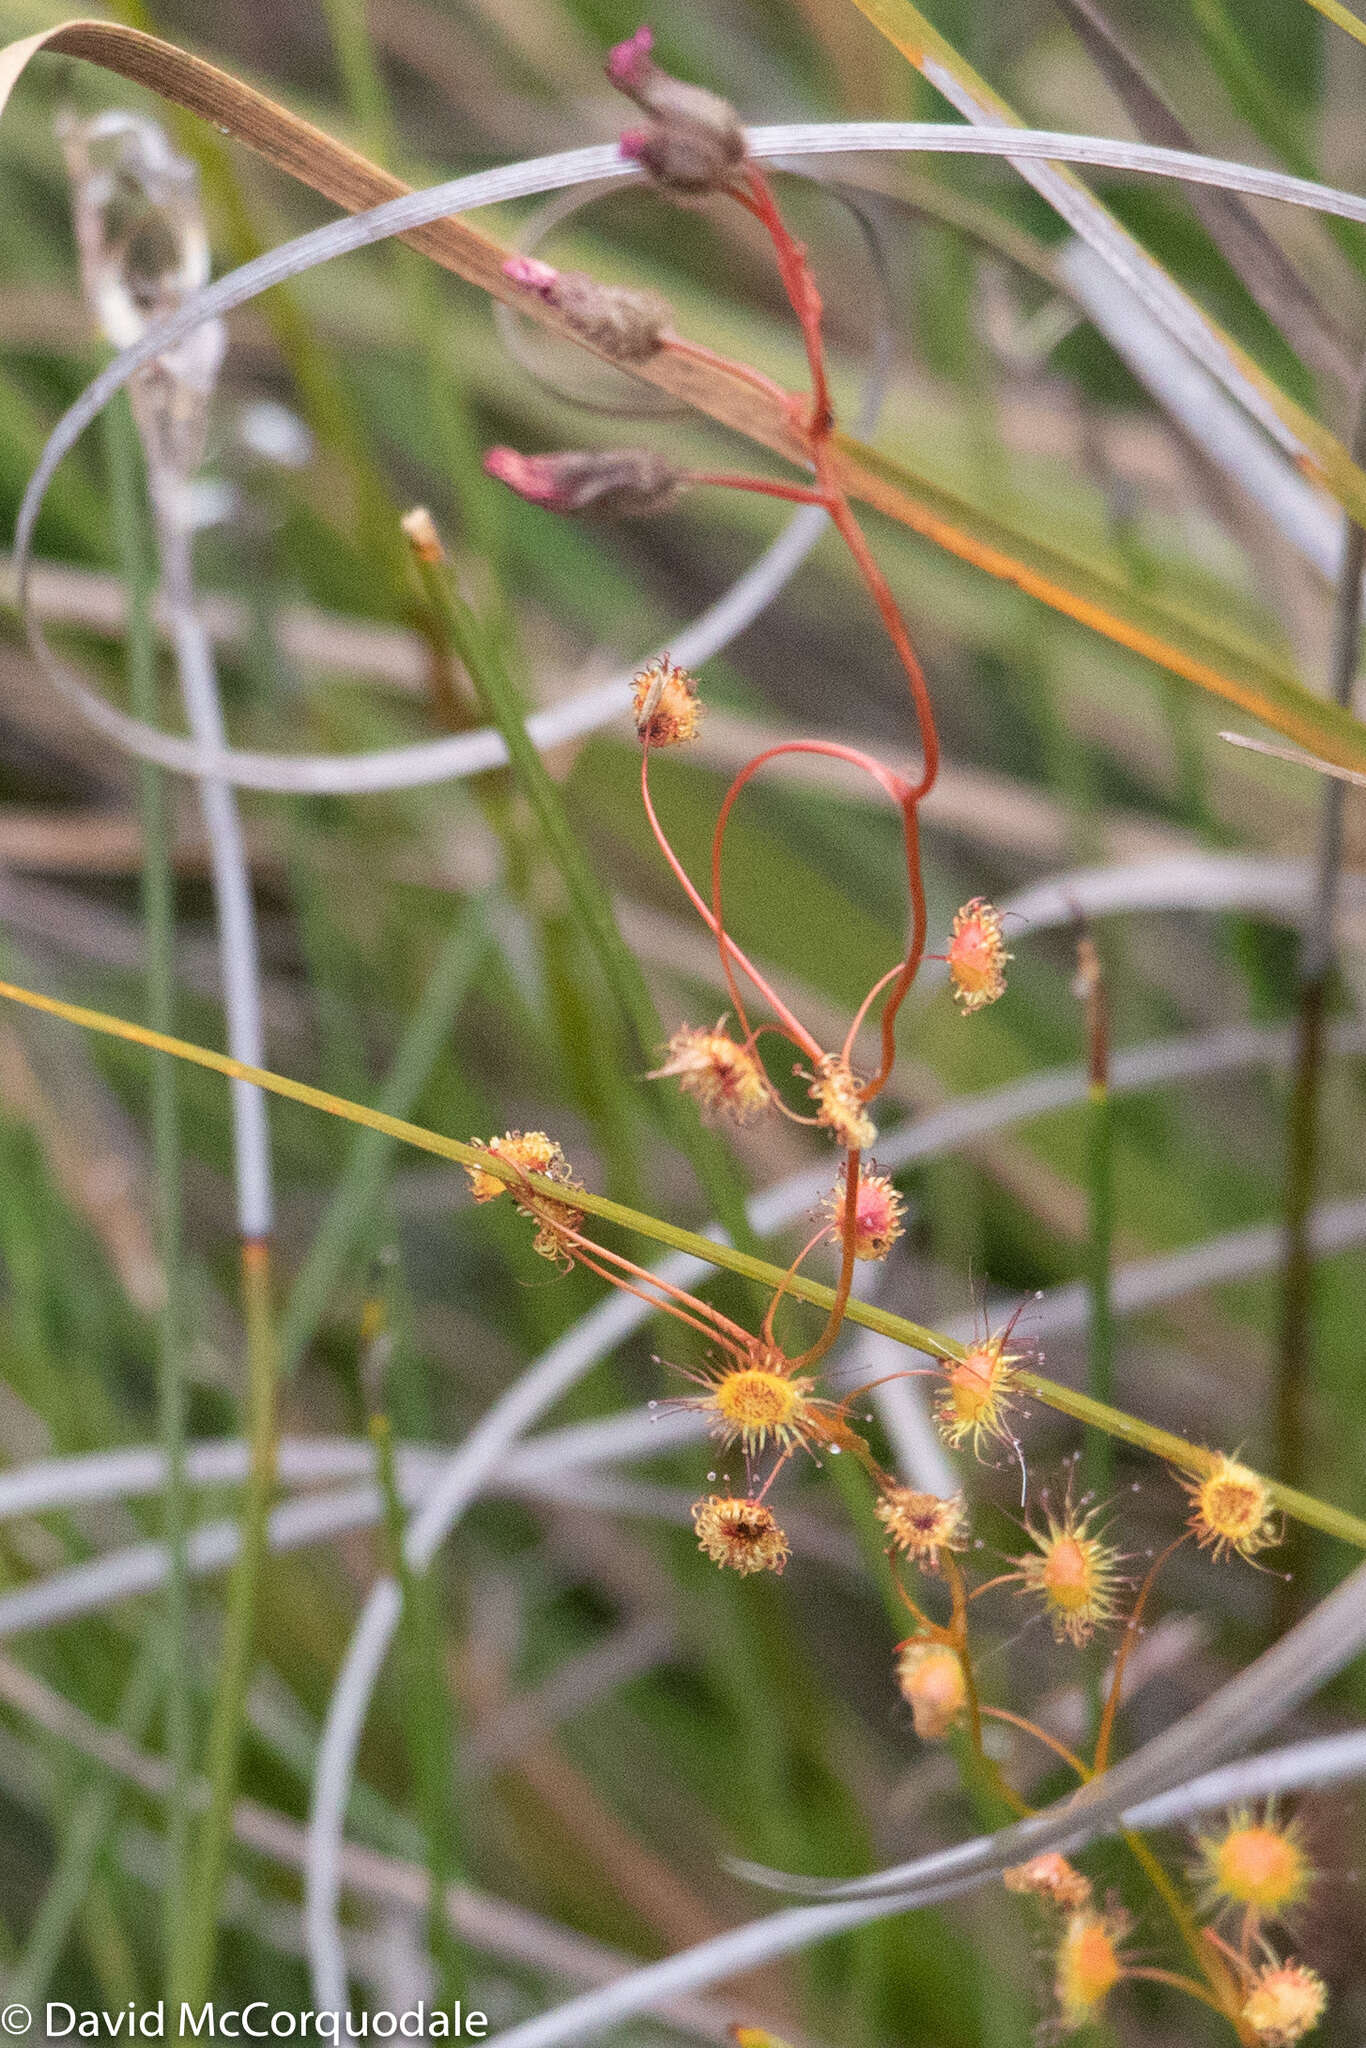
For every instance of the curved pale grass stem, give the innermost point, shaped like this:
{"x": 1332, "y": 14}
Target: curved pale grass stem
{"x": 239, "y": 950}
{"x": 495, "y": 1927}
{"x": 461, "y": 1480}
{"x": 1302, "y": 1660}
{"x": 198, "y": 84}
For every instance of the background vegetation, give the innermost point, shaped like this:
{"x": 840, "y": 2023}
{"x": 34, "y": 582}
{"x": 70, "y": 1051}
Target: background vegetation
{"x": 627, "y": 1718}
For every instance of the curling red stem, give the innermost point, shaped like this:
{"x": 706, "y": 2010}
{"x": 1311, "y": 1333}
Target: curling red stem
{"x": 791, "y": 1026}
{"x": 887, "y": 780}
{"x": 783, "y": 1285}
{"x": 849, "y": 1237}
{"x": 1131, "y": 1630}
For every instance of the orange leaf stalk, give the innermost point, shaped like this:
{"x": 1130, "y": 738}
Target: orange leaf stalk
{"x": 791, "y": 1026}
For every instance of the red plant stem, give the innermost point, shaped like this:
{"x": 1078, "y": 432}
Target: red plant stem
{"x": 763, "y": 1490}
{"x": 806, "y": 305}
{"x": 990, "y": 1585}
{"x": 809, "y": 1246}
{"x": 930, "y": 1628}
{"x": 878, "y": 589}
{"x": 1131, "y": 1629}
{"x": 1178, "y": 1983}
{"x": 915, "y": 953}
{"x": 835, "y": 750}
{"x": 724, "y": 1328}
{"x": 604, "y": 1272}
{"x": 791, "y": 1025}
{"x": 768, "y": 487}
{"x": 757, "y": 198}
{"x": 1069, "y": 1757}
{"x": 886, "y": 1379}
{"x": 1250, "y": 1920}
{"x": 852, "y": 535}
{"x": 698, "y": 352}
{"x": 958, "y": 1636}
{"x": 849, "y": 1234}
{"x": 902, "y": 796}
{"x": 884, "y": 777}
{"x": 847, "y": 1049}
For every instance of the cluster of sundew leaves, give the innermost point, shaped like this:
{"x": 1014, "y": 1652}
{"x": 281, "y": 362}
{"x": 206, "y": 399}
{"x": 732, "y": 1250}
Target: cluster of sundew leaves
{"x": 1248, "y": 1876}
{"x": 1246, "y": 1879}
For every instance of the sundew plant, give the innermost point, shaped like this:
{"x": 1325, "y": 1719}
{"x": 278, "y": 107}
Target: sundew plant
{"x": 680, "y": 1073}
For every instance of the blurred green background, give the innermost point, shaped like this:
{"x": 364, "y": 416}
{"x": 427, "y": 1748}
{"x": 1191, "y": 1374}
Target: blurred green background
{"x": 627, "y": 1718}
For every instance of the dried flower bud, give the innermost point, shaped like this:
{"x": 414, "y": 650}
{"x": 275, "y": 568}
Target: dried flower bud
{"x": 721, "y": 1074}
{"x": 740, "y": 1535}
{"x": 835, "y": 1092}
{"x": 630, "y": 65}
{"x": 624, "y": 324}
{"x": 1285, "y": 2002}
{"x": 931, "y": 1680}
{"x": 1050, "y": 1877}
{"x": 624, "y": 483}
{"x": 878, "y": 1212}
{"x": 921, "y": 1525}
{"x": 528, "y": 1151}
{"x": 420, "y": 530}
{"x": 693, "y": 142}
{"x": 665, "y": 704}
{"x": 532, "y": 1152}
{"x": 144, "y": 251}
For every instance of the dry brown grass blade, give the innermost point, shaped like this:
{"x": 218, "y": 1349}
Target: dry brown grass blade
{"x": 295, "y": 146}
{"x": 1092, "y": 596}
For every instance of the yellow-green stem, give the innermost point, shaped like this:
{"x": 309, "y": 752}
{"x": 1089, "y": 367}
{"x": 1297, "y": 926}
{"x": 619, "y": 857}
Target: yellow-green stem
{"x": 1130, "y": 1429}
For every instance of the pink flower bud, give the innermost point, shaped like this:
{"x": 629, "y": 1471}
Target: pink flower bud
{"x": 623, "y": 483}
{"x": 628, "y": 63}
{"x": 693, "y": 142}
{"x": 626, "y": 325}
{"x": 531, "y": 272}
